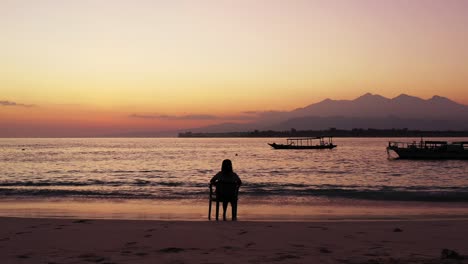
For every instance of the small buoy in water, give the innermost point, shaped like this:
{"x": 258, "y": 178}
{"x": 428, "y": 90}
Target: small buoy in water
{"x": 23, "y": 149}
{"x": 236, "y": 154}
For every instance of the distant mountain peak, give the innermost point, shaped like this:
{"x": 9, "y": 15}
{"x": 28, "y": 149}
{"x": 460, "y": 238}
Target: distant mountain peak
{"x": 405, "y": 97}
{"x": 326, "y": 100}
{"x": 439, "y": 98}
{"x": 444, "y": 101}
{"x": 366, "y": 95}
{"x": 370, "y": 96}
{"x": 367, "y": 111}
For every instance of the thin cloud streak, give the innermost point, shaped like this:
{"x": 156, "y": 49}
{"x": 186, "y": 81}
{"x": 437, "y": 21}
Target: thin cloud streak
{"x": 9, "y": 103}
{"x": 190, "y": 117}
{"x": 251, "y": 112}
{"x": 173, "y": 117}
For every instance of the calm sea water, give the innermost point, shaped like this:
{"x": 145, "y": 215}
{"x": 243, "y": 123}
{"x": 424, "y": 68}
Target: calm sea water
{"x": 180, "y": 168}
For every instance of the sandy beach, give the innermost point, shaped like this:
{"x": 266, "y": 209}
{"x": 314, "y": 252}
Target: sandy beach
{"x": 36, "y": 240}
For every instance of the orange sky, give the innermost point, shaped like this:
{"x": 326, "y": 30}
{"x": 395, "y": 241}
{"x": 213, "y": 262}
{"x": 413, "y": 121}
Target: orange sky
{"x": 107, "y": 66}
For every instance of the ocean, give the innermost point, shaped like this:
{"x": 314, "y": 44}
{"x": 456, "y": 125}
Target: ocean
{"x": 176, "y": 171}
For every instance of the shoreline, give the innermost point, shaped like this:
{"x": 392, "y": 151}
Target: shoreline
{"x": 197, "y": 210}
{"x": 32, "y": 240}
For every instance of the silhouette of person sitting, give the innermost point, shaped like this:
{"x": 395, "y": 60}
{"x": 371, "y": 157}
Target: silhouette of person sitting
{"x": 227, "y": 184}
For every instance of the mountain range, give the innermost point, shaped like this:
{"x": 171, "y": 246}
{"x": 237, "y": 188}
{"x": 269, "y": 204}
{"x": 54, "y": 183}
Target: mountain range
{"x": 366, "y": 111}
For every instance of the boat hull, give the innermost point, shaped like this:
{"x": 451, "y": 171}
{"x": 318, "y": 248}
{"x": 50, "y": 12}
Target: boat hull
{"x": 432, "y": 154}
{"x": 282, "y": 146}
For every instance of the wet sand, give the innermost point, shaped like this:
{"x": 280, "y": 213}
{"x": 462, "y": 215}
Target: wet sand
{"x": 31, "y": 240}
{"x": 188, "y": 210}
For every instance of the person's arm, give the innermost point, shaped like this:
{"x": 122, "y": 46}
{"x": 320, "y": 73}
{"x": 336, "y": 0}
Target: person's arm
{"x": 214, "y": 179}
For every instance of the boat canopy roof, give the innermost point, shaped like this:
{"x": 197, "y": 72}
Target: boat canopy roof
{"x": 309, "y": 138}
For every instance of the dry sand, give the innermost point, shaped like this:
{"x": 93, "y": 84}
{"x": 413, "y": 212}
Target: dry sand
{"x": 27, "y": 240}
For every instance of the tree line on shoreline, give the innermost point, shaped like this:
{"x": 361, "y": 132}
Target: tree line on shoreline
{"x": 332, "y": 132}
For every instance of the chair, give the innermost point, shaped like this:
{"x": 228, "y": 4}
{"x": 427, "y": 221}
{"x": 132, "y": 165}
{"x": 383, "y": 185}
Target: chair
{"x": 213, "y": 197}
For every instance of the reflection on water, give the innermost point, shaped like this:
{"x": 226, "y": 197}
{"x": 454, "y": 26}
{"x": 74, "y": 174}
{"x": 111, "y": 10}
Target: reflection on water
{"x": 177, "y": 170}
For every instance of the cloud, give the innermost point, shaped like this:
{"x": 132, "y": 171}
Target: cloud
{"x": 190, "y": 117}
{"x": 250, "y": 112}
{"x": 264, "y": 113}
{"x": 9, "y": 103}
{"x": 172, "y": 117}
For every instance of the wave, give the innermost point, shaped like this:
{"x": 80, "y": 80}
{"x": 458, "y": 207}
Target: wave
{"x": 379, "y": 195}
{"x": 103, "y": 171}
{"x": 70, "y": 193}
{"x": 135, "y": 182}
{"x": 144, "y": 189}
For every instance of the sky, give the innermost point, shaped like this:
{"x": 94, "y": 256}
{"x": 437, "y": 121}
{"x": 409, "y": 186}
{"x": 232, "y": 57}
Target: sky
{"x": 104, "y": 67}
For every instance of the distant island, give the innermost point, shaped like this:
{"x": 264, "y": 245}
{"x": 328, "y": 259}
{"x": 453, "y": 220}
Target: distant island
{"x": 357, "y": 132}
{"x": 367, "y": 111}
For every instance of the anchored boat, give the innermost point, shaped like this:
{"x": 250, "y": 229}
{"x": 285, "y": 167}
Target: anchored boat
{"x": 305, "y": 143}
{"x": 430, "y": 150}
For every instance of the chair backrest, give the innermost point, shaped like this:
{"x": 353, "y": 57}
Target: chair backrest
{"x": 213, "y": 195}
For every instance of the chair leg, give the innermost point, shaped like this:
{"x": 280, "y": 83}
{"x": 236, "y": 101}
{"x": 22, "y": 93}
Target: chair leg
{"x": 209, "y": 209}
{"x": 217, "y": 210}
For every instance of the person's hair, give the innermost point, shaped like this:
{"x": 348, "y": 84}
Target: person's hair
{"x": 226, "y": 166}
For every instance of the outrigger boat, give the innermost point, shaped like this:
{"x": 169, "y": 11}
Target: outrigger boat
{"x": 305, "y": 143}
{"x": 430, "y": 150}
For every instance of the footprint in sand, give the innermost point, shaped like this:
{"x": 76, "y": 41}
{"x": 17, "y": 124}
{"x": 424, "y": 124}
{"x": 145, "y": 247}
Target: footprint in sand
{"x": 298, "y": 245}
{"x": 377, "y": 254}
{"x": 171, "y": 250}
{"x": 282, "y": 257}
{"x": 243, "y": 232}
{"x": 82, "y": 221}
{"x": 318, "y": 227}
{"x": 23, "y": 256}
{"x": 21, "y": 233}
{"x": 376, "y": 247}
{"x": 126, "y": 252}
{"x": 91, "y": 258}
{"x": 324, "y": 250}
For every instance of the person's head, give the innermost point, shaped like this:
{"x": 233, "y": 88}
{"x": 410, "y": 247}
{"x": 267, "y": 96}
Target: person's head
{"x": 226, "y": 166}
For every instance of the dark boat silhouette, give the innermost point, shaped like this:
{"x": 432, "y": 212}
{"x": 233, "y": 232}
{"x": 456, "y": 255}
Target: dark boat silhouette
{"x": 305, "y": 143}
{"x": 430, "y": 150}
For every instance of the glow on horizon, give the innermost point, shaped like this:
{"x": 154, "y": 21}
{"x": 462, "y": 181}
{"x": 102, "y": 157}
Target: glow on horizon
{"x": 99, "y": 62}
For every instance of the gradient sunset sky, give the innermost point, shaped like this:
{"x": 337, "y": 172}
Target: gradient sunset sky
{"x": 99, "y": 67}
